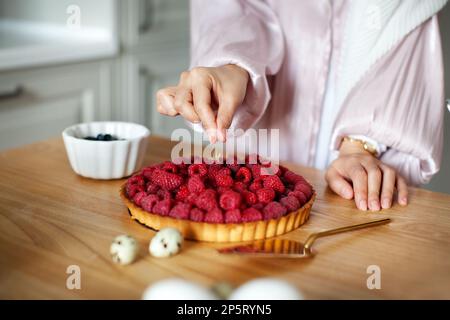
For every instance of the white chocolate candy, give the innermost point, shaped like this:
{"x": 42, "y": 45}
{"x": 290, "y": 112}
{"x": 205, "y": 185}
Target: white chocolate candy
{"x": 266, "y": 289}
{"x": 124, "y": 249}
{"x": 167, "y": 242}
{"x": 177, "y": 289}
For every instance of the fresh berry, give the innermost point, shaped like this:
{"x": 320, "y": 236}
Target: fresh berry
{"x": 255, "y": 185}
{"x": 148, "y": 202}
{"x": 195, "y": 184}
{"x": 196, "y": 214}
{"x": 249, "y": 197}
{"x": 162, "y": 207}
{"x": 233, "y": 165}
{"x": 300, "y": 196}
{"x": 132, "y": 189}
{"x": 169, "y": 166}
{"x": 305, "y": 188}
{"x": 291, "y": 203}
{"x": 138, "y": 197}
{"x": 221, "y": 190}
{"x": 244, "y": 174}
{"x": 180, "y": 211}
{"x": 223, "y": 180}
{"x": 213, "y": 170}
{"x": 191, "y": 198}
{"x": 265, "y": 195}
{"x": 230, "y": 200}
{"x": 207, "y": 200}
{"x": 214, "y": 216}
{"x": 166, "y": 180}
{"x": 151, "y": 188}
{"x": 259, "y": 206}
{"x": 147, "y": 172}
{"x": 256, "y": 170}
{"x": 163, "y": 194}
{"x": 199, "y": 169}
{"x": 233, "y": 216}
{"x": 251, "y": 214}
{"x": 273, "y": 182}
{"x": 137, "y": 179}
{"x": 240, "y": 186}
{"x": 225, "y": 171}
{"x": 273, "y": 210}
{"x": 182, "y": 193}
{"x": 292, "y": 177}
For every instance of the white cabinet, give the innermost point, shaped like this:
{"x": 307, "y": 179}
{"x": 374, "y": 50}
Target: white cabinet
{"x": 39, "y": 103}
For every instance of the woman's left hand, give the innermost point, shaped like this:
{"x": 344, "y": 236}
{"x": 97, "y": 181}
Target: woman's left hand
{"x": 357, "y": 174}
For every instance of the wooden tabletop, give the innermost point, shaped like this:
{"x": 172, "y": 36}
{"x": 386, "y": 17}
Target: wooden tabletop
{"x": 50, "y": 219}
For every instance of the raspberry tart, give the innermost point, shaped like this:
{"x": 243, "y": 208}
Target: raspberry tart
{"x": 219, "y": 202}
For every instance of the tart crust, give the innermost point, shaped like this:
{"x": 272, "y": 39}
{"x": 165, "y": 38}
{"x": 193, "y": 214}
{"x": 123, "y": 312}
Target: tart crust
{"x": 222, "y": 232}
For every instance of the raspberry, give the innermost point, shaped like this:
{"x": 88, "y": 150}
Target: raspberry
{"x": 292, "y": 177}
{"x": 251, "y": 214}
{"x": 265, "y": 195}
{"x": 305, "y": 188}
{"x": 138, "y": 197}
{"x": 223, "y": 180}
{"x": 300, "y": 196}
{"x": 195, "y": 184}
{"x": 166, "y": 180}
{"x": 256, "y": 170}
{"x": 148, "y": 202}
{"x": 182, "y": 193}
{"x": 191, "y": 198}
{"x": 221, "y": 190}
{"x": 199, "y": 169}
{"x": 169, "y": 167}
{"x": 213, "y": 169}
{"x": 214, "y": 216}
{"x": 196, "y": 214}
{"x": 233, "y": 166}
{"x": 244, "y": 174}
{"x": 163, "y": 194}
{"x": 291, "y": 203}
{"x": 147, "y": 172}
{"x": 233, "y": 216}
{"x": 230, "y": 200}
{"x": 151, "y": 188}
{"x": 162, "y": 207}
{"x": 273, "y": 210}
{"x": 224, "y": 171}
{"x": 259, "y": 206}
{"x": 180, "y": 211}
{"x": 240, "y": 186}
{"x": 249, "y": 197}
{"x": 207, "y": 200}
{"x": 137, "y": 180}
{"x": 255, "y": 185}
{"x": 273, "y": 182}
{"x": 132, "y": 189}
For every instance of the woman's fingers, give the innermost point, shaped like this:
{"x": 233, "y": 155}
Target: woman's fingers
{"x": 338, "y": 184}
{"x": 359, "y": 178}
{"x": 374, "y": 177}
{"x": 183, "y": 104}
{"x": 402, "y": 189}
{"x": 165, "y": 101}
{"x": 201, "y": 94}
{"x": 387, "y": 189}
{"x": 227, "y": 107}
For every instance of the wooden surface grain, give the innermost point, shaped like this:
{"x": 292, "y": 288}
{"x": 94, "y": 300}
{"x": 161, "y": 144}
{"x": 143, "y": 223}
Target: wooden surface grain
{"x": 50, "y": 218}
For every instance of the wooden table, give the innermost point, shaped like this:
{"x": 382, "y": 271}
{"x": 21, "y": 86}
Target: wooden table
{"x": 50, "y": 218}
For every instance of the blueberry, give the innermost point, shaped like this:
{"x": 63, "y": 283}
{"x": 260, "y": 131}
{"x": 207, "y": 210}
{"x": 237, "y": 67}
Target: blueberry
{"x": 90, "y": 138}
{"x": 100, "y": 137}
{"x": 108, "y": 137}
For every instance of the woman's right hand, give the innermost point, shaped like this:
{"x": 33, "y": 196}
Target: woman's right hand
{"x": 203, "y": 91}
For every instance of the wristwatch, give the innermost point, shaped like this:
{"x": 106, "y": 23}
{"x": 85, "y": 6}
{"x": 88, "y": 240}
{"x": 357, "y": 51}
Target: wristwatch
{"x": 368, "y": 146}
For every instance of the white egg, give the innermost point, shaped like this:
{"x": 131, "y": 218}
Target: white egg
{"x": 266, "y": 289}
{"x": 124, "y": 249}
{"x": 167, "y": 242}
{"x": 177, "y": 289}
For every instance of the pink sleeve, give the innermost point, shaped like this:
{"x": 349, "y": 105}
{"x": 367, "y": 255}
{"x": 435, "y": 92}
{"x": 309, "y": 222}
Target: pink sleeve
{"x": 400, "y": 103}
{"x": 245, "y": 33}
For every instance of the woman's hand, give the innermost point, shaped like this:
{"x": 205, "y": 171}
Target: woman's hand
{"x": 203, "y": 91}
{"x": 358, "y": 174}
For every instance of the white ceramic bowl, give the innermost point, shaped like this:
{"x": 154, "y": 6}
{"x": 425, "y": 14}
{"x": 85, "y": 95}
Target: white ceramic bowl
{"x": 106, "y": 159}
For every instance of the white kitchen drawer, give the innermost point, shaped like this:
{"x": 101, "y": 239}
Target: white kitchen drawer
{"x": 39, "y": 103}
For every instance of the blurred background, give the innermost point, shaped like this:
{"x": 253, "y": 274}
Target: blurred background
{"x": 69, "y": 61}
